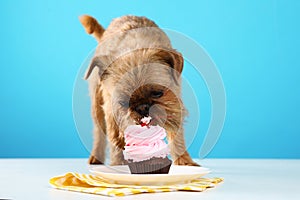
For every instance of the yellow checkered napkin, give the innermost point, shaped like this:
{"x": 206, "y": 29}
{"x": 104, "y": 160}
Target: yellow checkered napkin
{"x": 95, "y": 185}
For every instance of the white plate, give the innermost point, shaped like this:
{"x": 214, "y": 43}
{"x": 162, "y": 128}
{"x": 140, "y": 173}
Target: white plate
{"x": 120, "y": 174}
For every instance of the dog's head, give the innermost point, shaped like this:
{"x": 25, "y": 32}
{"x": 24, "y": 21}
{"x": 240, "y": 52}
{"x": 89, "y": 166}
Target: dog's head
{"x": 144, "y": 82}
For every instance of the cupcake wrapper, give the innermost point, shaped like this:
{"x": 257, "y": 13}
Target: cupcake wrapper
{"x": 151, "y": 166}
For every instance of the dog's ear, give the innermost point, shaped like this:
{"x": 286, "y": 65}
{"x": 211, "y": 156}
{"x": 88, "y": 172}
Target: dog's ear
{"x": 97, "y": 61}
{"x": 175, "y": 60}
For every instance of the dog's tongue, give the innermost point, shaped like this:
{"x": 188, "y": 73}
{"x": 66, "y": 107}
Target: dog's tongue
{"x": 145, "y": 121}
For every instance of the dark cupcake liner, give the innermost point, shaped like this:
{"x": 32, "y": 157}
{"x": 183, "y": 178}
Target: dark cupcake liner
{"x": 151, "y": 166}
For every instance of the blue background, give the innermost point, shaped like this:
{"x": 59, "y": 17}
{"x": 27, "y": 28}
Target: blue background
{"x": 253, "y": 43}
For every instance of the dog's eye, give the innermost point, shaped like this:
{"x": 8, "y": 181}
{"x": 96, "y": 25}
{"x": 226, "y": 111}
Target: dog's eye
{"x": 124, "y": 104}
{"x": 157, "y": 94}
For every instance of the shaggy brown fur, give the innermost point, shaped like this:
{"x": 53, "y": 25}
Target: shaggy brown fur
{"x": 134, "y": 65}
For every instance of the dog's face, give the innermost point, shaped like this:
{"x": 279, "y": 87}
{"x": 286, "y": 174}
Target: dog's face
{"x": 135, "y": 97}
{"x": 145, "y": 83}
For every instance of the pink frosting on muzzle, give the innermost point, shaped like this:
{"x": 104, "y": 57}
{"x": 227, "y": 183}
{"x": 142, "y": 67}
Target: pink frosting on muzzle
{"x": 143, "y": 143}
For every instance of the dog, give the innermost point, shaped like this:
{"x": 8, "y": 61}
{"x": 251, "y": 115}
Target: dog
{"x": 135, "y": 72}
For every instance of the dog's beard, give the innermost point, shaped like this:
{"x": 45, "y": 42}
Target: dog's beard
{"x": 167, "y": 111}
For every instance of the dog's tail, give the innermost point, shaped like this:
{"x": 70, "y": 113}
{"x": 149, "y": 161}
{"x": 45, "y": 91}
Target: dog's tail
{"x": 92, "y": 26}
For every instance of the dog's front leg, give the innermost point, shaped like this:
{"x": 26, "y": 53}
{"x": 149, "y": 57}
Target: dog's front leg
{"x": 116, "y": 155}
{"x": 115, "y": 140}
{"x": 178, "y": 150}
{"x": 98, "y": 153}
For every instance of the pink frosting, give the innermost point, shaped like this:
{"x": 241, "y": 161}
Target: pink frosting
{"x": 143, "y": 143}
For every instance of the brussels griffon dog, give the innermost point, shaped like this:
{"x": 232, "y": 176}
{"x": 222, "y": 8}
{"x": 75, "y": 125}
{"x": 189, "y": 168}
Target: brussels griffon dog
{"x": 135, "y": 72}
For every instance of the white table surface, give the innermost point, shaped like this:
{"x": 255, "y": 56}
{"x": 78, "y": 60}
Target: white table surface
{"x": 244, "y": 179}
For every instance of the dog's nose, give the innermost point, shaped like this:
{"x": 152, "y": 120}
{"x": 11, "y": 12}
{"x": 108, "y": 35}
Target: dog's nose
{"x": 143, "y": 109}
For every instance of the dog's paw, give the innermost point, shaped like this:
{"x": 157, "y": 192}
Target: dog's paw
{"x": 119, "y": 162}
{"x": 185, "y": 160}
{"x": 94, "y": 161}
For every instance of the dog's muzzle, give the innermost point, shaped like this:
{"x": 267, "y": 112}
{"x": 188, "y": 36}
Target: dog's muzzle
{"x": 143, "y": 109}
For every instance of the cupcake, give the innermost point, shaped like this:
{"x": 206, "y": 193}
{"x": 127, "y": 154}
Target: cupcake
{"x": 145, "y": 149}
